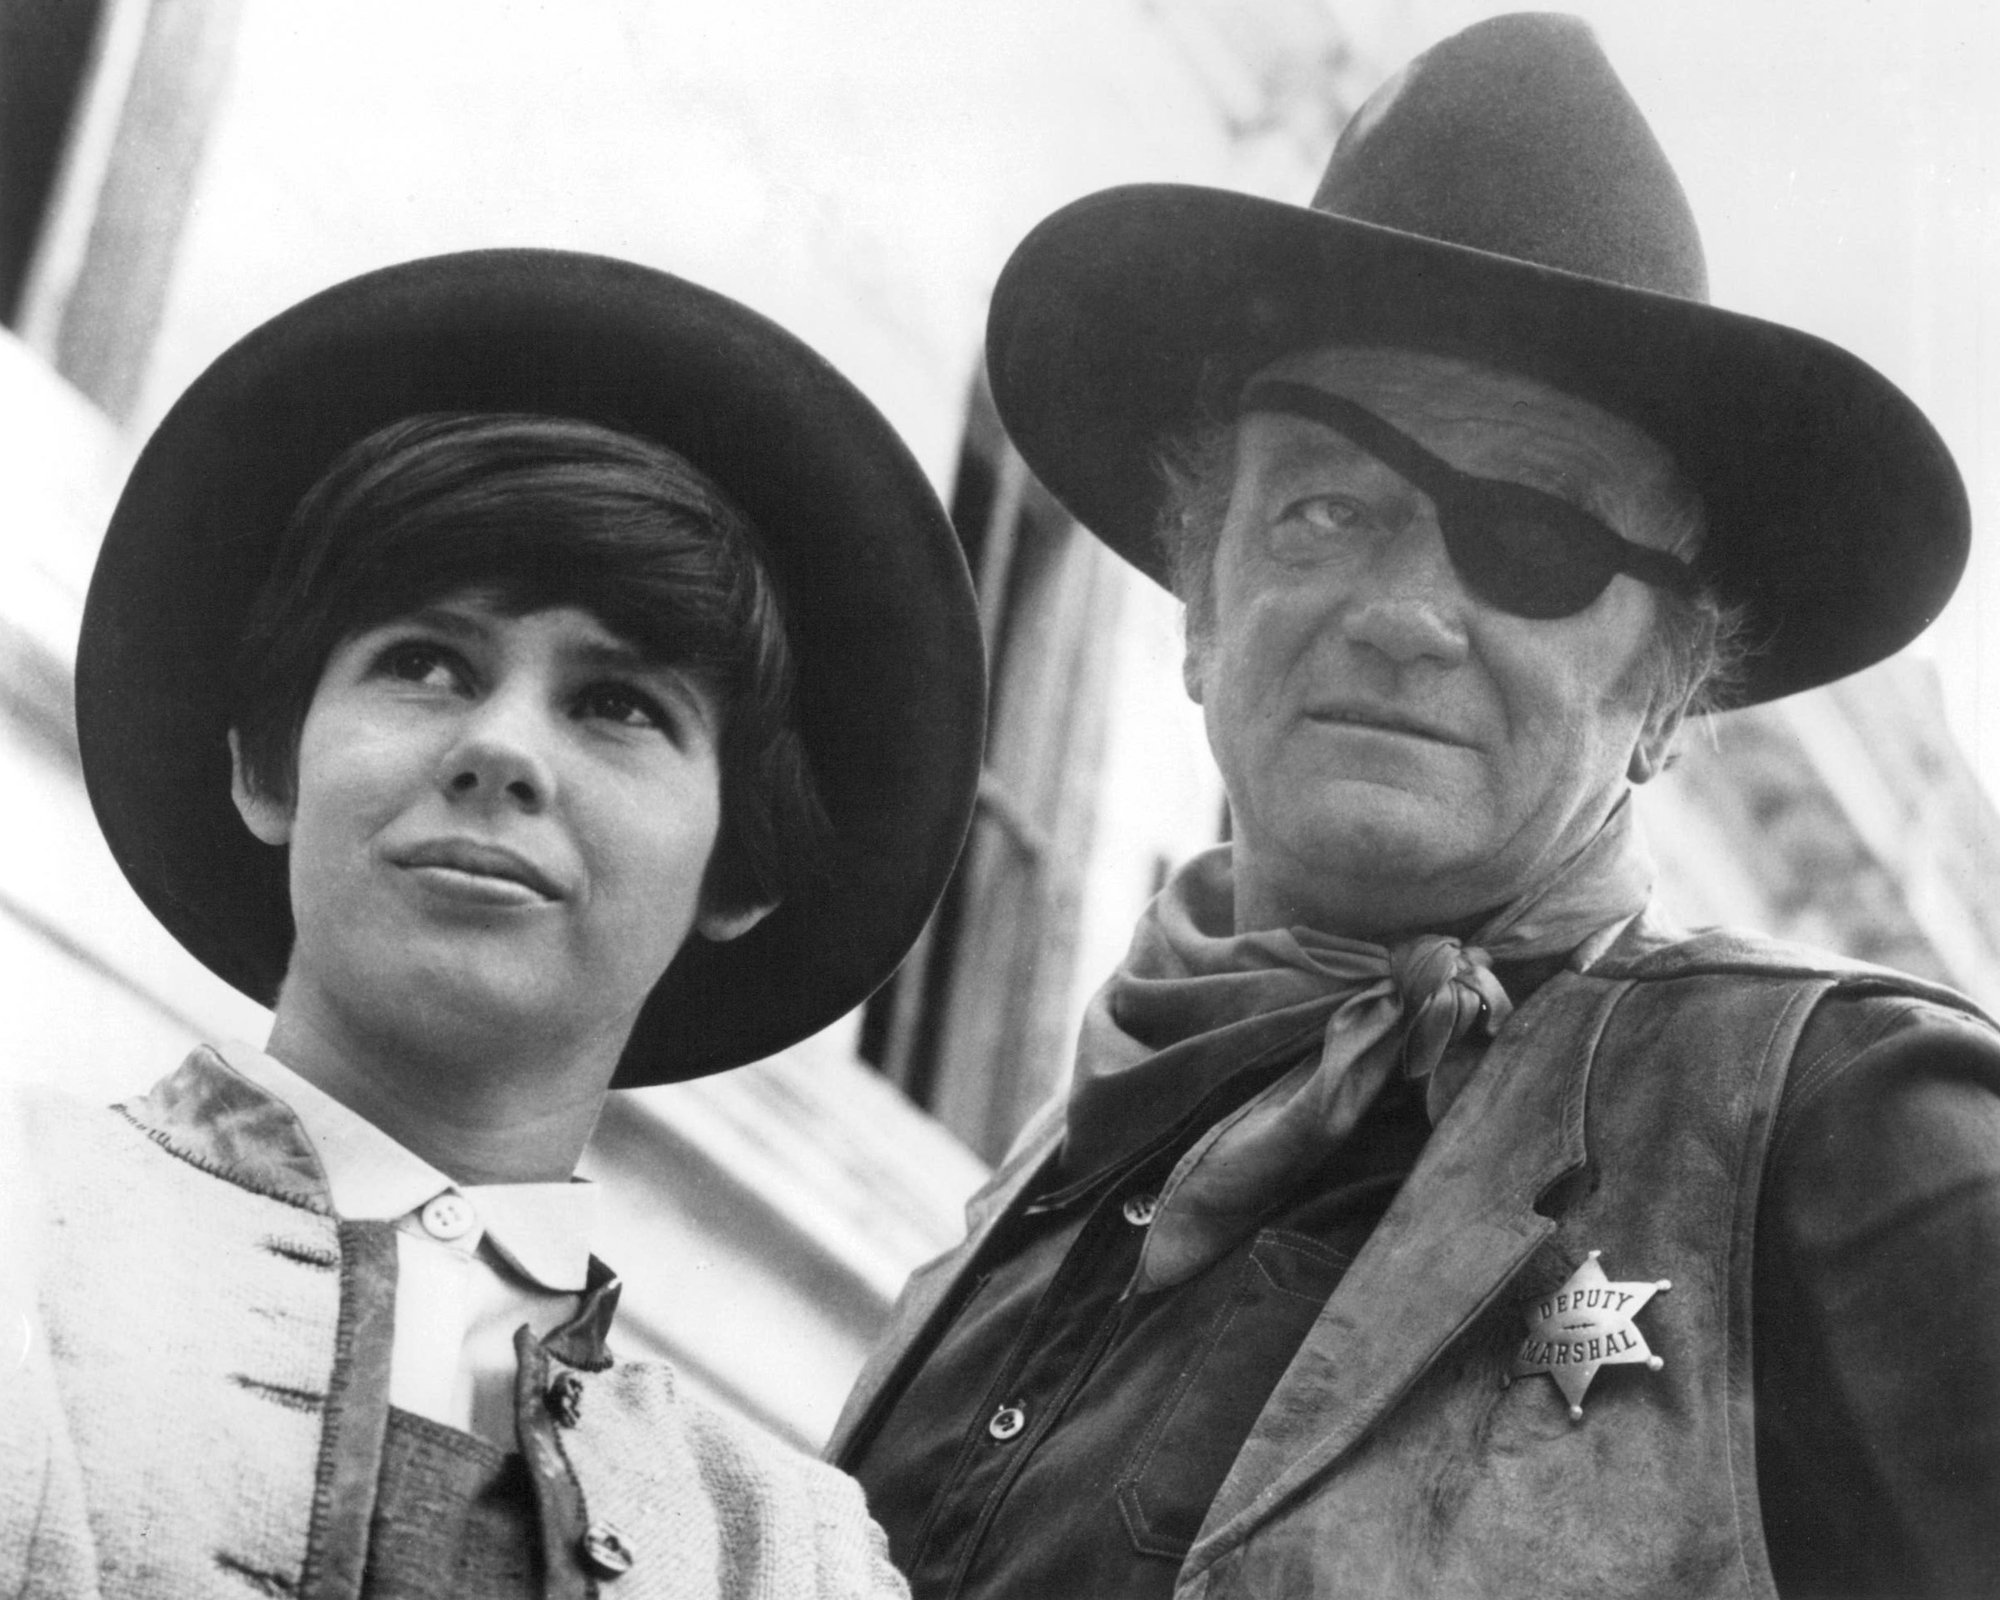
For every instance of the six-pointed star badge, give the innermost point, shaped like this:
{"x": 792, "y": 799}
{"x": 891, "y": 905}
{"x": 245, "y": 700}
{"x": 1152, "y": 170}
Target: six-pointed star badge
{"x": 1584, "y": 1325}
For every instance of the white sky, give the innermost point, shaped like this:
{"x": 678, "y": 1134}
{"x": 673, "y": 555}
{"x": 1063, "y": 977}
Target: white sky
{"x": 1840, "y": 157}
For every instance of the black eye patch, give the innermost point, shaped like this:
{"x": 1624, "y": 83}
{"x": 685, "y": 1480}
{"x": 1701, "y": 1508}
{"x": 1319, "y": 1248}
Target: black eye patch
{"x": 1519, "y": 548}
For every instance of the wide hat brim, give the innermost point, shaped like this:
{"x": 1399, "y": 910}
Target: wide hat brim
{"x": 891, "y": 676}
{"x": 1131, "y": 317}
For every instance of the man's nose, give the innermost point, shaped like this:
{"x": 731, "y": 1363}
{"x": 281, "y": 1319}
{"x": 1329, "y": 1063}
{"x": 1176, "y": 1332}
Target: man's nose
{"x": 501, "y": 755}
{"x": 1407, "y": 602}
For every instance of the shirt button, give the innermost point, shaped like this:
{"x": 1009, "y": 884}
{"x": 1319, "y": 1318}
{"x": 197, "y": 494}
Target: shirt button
{"x": 605, "y": 1551}
{"x": 1139, "y": 1208}
{"x": 448, "y": 1217}
{"x": 1007, "y": 1421}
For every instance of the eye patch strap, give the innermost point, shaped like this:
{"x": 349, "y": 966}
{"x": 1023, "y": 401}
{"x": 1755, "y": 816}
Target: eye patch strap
{"x": 1450, "y": 488}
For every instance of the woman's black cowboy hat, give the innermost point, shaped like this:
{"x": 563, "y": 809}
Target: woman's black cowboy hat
{"x": 1500, "y": 199}
{"x": 891, "y": 677}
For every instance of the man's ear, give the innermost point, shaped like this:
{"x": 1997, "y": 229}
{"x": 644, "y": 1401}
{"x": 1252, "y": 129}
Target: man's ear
{"x": 1194, "y": 664}
{"x": 265, "y": 815}
{"x": 1654, "y": 752}
{"x": 719, "y": 927}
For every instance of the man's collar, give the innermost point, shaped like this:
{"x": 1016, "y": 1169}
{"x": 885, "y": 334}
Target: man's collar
{"x": 541, "y": 1230}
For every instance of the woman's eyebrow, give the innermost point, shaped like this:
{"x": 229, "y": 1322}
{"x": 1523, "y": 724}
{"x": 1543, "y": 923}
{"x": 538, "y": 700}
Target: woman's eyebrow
{"x": 615, "y": 655}
{"x": 445, "y": 620}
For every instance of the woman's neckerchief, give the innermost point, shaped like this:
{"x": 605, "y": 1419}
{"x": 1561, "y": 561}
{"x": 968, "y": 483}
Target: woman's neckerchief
{"x": 1195, "y": 1001}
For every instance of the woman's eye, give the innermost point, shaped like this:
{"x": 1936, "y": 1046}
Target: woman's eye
{"x": 413, "y": 661}
{"x": 623, "y": 704}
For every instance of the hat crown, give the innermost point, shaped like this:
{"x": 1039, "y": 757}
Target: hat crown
{"x": 1516, "y": 137}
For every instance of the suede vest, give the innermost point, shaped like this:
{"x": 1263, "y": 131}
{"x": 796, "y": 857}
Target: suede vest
{"x": 1625, "y": 1110}
{"x": 1471, "y": 1484}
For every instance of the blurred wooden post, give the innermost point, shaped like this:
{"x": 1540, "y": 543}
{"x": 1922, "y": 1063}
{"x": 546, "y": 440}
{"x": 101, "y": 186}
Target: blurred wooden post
{"x": 97, "y": 281}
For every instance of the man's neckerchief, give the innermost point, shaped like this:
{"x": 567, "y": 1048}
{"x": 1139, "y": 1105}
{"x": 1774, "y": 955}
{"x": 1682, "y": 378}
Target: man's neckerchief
{"x": 1194, "y": 1001}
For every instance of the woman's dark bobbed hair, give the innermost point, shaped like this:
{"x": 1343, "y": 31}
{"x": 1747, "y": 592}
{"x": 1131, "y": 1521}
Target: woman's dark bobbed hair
{"x": 888, "y": 680}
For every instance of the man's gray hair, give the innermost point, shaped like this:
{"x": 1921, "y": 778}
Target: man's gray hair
{"x": 1694, "y": 660}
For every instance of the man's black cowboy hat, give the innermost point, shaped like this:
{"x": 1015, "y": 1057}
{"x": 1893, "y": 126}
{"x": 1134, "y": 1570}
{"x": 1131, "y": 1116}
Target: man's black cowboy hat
{"x": 891, "y": 676}
{"x": 1501, "y": 199}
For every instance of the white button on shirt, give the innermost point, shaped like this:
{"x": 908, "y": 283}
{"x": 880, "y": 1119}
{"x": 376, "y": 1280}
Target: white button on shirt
{"x": 473, "y": 1261}
{"x": 450, "y": 1216}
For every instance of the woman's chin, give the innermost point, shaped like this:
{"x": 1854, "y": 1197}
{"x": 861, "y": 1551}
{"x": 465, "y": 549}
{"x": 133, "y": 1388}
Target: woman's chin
{"x": 472, "y": 1009}
{"x": 486, "y": 1002}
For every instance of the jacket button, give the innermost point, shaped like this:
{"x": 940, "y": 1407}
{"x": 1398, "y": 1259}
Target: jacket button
{"x": 605, "y": 1551}
{"x": 1139, "y": 1208}
{"x": 1007, "y": 1421}
{"x": 564, "y": 1398}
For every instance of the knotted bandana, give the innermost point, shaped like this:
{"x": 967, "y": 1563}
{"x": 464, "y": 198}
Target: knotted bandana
{"x": 1194, "y": 1002}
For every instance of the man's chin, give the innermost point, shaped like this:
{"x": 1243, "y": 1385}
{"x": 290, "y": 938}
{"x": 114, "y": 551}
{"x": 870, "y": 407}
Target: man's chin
{"x": 1372, "y": 830}
{"x": 1384, "y": 860}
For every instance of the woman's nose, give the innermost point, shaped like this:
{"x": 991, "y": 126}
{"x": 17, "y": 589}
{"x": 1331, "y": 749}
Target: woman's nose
{"x": 501, "y": 756}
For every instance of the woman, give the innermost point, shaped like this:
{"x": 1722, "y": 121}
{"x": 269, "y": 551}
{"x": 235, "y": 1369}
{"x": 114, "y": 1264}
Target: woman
{"x": 530, "y": 673}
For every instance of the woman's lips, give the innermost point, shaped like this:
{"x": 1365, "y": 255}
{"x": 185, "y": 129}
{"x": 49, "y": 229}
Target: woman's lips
{"x": 475, "y": 869}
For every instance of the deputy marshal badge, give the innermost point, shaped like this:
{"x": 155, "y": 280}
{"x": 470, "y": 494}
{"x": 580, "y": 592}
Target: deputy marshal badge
{"x": 1584, "y": 1325}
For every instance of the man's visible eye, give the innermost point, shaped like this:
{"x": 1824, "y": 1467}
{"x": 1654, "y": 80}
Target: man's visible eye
{"x": 624, "y": 704}
{"x": 1318, "y": 526}
{"x": 419, "y": 661}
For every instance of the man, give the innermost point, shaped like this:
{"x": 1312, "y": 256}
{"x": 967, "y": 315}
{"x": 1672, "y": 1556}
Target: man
{"x": 1427, "y": 1216}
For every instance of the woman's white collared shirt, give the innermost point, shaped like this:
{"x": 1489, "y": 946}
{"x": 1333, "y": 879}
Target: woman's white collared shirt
{"x": 473, "y": 1261}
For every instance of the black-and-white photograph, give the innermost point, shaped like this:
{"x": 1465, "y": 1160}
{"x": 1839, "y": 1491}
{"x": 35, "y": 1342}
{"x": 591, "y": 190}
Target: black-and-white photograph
{"x": 999, "y": 799}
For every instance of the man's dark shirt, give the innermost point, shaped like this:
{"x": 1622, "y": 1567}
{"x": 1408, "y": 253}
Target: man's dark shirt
{"x": 1062, "y": 1439}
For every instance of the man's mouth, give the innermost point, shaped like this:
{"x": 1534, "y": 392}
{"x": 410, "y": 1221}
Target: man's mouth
{"x": 1384, "y": 719}
{"x": 480, "y": 863}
